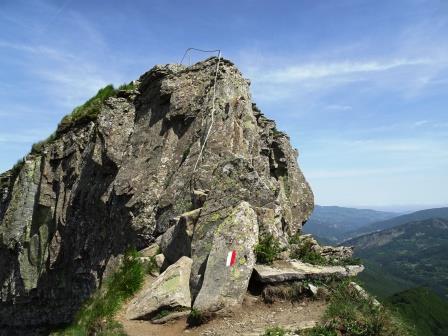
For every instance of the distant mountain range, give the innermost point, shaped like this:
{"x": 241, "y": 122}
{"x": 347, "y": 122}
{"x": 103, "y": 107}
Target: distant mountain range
{"x": 333, "y": 223}
{"x": 398, "y": 220}
{"x": 401, "y": 253}
{"x": 414, "y": 253}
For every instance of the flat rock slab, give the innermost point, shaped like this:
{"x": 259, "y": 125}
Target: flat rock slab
{"x": 170, "y": 290}
{"x": 295, "y": 270}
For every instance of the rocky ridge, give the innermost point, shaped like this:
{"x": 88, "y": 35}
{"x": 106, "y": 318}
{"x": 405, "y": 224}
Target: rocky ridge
{"x": 133, "y": 177}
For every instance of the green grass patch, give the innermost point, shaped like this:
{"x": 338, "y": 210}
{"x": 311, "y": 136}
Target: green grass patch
{"x": 267, "y": 249}
{"x": 127, "y": 87}
{"x": 422, "y": 308}
{"x": 96, "y": 316}
{"x": 89, "y": 110}
{"x": 275, "y": 331}
{"x": 84, "y": 113}
{"x": 350, "y": 314}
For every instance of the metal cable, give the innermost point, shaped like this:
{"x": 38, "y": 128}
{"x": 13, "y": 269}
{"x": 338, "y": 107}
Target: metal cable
{"x": 213, "y": 102}
{"x": 200, "y": 50}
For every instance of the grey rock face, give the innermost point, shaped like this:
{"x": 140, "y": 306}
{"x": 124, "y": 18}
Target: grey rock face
{"x": 176, "y": 241}
{"x": 170, "y": 290}
{"x": 225, "y": 284}
{"x": 120, "y": 181}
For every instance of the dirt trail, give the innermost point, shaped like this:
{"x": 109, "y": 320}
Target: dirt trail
{"x": 250, "y": 320}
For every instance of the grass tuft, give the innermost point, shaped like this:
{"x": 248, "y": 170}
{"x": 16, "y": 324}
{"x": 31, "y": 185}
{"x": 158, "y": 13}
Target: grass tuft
{"x": 350, "y": 314}
{"x": 196, "y": 318}
{"x": 96, "y": 316}
{"x": 89, "y": 110}
{"x": 275, "y": 331}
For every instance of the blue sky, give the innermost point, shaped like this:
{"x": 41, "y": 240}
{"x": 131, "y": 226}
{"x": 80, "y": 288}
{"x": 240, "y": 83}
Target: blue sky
{"x": 360, "y": 86}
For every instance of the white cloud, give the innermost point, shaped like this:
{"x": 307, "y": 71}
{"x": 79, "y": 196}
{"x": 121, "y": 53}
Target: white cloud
{"x": 337, "y": 107}
{"x": 420, "y": 123}
{"x": 302, "y": 72}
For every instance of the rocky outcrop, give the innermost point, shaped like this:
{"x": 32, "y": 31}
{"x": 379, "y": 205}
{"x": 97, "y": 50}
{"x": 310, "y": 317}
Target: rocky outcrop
{"x": 230, "y": 261}
{"x": 283, "y": 271}
{"x": 170, "y": 291}
{"x": 121, "y": 180}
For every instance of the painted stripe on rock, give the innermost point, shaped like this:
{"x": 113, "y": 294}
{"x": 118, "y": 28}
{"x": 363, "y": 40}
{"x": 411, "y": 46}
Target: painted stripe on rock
{"x": 231, "y": 258}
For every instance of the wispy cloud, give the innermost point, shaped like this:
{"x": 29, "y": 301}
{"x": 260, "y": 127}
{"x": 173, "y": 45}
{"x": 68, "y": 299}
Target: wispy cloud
{"x": 312, "y": 71}
{"x": 420, "y": 123}
{"x": 337, "y": 107}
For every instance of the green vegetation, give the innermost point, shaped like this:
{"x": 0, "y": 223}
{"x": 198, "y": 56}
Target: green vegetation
{"x": 380, "y": 283}
{"x": 422, "y": 308}
{"x": 96, "y": 316}
{"x": 275, "y": 331}
{"x": 89, "y": 110}
{"x": 301, "y": 249}
{"x": 303, "y": 252}
{"x": 38, "y": 147}
{"x": 18, "y": 166}
{"x": 196, "y": 318}
{"x": 413, "y": 252}
{"x": 127, "y": 87}
{"x": 268, "y": 249}
{"x": 350, "y": 314}
{"x": 161, "y": 314}
{"x": 322, "y": 331}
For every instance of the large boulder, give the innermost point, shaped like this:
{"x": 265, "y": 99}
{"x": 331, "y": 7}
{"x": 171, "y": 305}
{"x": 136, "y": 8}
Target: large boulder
{"x": 176, "y": 241}
{"x": 230, "y": 262}
{"x": 169, "y": 291}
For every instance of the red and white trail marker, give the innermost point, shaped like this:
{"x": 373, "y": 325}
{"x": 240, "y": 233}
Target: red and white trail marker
{"x": 231, "y": 258}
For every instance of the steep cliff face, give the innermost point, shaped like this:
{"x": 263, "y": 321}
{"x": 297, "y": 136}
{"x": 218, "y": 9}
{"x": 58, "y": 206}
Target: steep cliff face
{"x": 119, "y": 181}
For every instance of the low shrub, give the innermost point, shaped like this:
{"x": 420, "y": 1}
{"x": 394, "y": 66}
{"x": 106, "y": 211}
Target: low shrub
{"x": 303, "y": 252}
{"x": 268, "y": 249}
